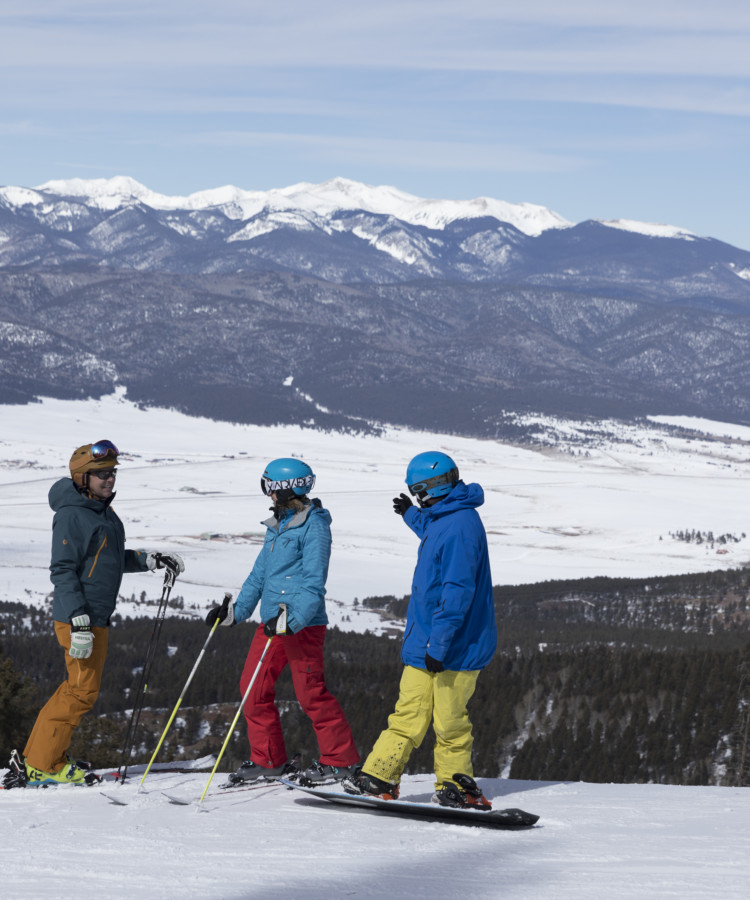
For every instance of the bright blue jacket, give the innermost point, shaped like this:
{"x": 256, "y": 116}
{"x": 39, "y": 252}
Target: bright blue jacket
{"x": 451, "y": 614}
{"x": 291, "y": 568}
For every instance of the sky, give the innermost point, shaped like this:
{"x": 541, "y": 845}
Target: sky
{"x": 636, "y": 111}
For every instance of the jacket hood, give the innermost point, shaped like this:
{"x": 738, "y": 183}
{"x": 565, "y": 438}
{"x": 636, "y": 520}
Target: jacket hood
{"x": 463, "y": 496}
{"x": 295, "y": 519}
{"x": 64, "y": 493}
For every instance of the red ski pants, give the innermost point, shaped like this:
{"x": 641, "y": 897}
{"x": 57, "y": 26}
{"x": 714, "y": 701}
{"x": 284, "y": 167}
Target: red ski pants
{"x": 303, "y": 653}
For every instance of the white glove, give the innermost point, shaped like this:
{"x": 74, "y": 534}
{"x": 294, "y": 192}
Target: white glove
{"x": 81, "y": 637}
{"x": 157, "y": 560}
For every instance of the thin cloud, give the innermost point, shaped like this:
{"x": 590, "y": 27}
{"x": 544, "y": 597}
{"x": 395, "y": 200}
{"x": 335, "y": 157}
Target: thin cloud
{"x": 437, "y": 154}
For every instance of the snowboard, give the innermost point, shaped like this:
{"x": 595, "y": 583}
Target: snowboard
{"x": 493, "y": 818}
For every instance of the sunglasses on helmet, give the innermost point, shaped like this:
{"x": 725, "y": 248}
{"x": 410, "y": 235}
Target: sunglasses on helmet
{"x": 102, "y": 449}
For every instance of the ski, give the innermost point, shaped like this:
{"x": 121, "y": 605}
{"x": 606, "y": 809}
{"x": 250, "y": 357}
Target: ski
{"x": 238, "y": 788}
{"x": 135, "y": 771}
{"x": 115, "y": 800}
{"x": 494, "y": 818}
{"x": 178, "y": 801}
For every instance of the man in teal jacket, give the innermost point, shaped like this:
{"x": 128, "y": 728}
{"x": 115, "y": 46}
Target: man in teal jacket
{"x": 88, "y": 562}
{"x": 450, "y": 636}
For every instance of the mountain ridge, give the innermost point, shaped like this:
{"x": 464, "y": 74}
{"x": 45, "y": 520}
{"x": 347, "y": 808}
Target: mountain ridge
{"x": 375, "y": 319}
{"x": 337, "y": 194}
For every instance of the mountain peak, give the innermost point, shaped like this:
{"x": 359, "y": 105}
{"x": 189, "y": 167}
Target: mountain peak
{"x": 324, "y": 200}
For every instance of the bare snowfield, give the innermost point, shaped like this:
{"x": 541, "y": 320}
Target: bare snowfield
{"x": 593, "y": 841}
{"x": 603, "y": 507}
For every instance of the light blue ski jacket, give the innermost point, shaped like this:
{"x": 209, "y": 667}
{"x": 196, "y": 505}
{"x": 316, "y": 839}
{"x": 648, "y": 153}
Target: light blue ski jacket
{"x": 451, "y": 613}
{"x": 291, "y": 568}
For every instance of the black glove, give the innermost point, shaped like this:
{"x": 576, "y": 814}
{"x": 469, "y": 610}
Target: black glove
{"x": 219, "y": 613}
{"x": 269, "y": 629}
{"x": 432, "y": 665}
{"x": 401, "y": 504}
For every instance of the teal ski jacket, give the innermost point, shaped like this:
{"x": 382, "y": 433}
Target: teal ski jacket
{"x": 291, "y": 568}
{"x": 451, "y": 614}
{"x": 88, "y": 555}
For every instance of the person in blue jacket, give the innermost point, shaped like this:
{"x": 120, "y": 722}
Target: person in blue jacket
{"x": 290, "y": 571}
{"x": 450, "y": 635}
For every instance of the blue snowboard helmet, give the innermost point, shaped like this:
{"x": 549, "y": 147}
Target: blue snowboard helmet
{"x": 431, "y": 474}
{"x": 288, "y": 478}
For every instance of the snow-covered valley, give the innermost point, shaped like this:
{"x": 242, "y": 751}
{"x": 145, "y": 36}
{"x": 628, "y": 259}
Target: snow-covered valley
{"x": 591, "y": 499}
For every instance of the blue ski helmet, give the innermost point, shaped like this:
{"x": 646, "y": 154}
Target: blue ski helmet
{"x": 288, "y": 478}
{"x": 431, "y": 474}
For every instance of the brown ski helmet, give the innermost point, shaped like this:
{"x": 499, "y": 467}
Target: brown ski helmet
{"x": 90, "y": 457}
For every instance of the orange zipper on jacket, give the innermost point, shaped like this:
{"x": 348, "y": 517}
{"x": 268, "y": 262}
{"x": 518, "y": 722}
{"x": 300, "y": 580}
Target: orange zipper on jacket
{"x": 96, "y": 558}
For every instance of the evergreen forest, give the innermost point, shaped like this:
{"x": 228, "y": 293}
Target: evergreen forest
{"x": 600, "y": 680}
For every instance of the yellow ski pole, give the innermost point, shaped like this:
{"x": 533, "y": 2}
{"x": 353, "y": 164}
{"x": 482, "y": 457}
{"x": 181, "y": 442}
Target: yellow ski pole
{"x": 280, "y": 629}
{"x": 224, "y": 607}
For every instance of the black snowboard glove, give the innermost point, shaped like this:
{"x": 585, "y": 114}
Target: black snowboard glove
{"x": 432, "y": 665}
{"x": 269, "y": 629}
{"x": 401, "y": 504}
{"x": 224, "y": 614}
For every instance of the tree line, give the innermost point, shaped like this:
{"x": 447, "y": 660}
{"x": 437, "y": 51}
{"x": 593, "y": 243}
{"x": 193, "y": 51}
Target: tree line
{"x": 598, "y": 679}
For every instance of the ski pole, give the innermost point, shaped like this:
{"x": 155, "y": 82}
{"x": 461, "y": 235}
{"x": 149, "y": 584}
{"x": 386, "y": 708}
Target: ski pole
{"x": 224, "y": 606}
{"x": 280, "y": 629}
{"x": 169, "y": 579}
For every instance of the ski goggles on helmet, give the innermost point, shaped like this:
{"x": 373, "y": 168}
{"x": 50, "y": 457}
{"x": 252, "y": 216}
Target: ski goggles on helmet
{"x": 103, "y": 449}
{"x": 269, "y": 486}
{"x": 422, "y": 487}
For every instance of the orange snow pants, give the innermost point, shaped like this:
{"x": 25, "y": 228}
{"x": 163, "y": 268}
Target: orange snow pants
{"x": 59, "y": 717}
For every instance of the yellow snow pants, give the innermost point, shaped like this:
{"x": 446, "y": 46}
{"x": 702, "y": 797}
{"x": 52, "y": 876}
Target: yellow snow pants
{"x": 59, "y": 717}
{"x": 424, "y": 697}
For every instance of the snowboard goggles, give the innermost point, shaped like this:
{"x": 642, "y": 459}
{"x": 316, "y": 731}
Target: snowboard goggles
{"x": 103, "y": 449}
{"x": 269, "y": 486}
{"x": 420, "y": 487}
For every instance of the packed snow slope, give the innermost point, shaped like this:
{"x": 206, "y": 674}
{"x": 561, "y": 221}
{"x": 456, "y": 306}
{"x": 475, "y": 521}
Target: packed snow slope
{"x": 604, "y": 501}
{"x": 593, "y": 841}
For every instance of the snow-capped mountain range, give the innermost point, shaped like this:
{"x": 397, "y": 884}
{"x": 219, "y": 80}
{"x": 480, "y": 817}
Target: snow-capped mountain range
{"x": 339, "y": 303}
{"x": 340, "y": 230}
{"x": 314, "y": 202}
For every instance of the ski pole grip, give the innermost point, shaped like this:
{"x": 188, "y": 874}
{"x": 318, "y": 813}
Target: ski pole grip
{"x": 281, "y": 620}
{"x": 226, "y": 601}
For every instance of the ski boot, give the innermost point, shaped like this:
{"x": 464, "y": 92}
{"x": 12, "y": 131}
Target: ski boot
{"x": 461, "y": 793}
{"x": 16, "y": 775}
{"x": 317, "y": 774}
{"x": 250, "y": 773}
{"x": 369, "y": 786}
{"x": 70, "y": 773}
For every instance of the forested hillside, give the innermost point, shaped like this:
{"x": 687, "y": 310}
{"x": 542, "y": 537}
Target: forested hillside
{"x": 597, "y": 680}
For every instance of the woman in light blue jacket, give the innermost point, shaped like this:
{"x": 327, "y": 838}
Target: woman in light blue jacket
{"x": 290, "y": 571}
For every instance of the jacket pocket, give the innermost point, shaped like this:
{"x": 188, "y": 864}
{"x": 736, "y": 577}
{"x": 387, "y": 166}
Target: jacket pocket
{"x": 102, "y": 546}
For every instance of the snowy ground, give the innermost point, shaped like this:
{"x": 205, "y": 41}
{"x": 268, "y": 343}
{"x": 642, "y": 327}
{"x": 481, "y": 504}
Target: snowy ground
{"x": 593, "y": 841}
{"x": 594, "y": 506}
